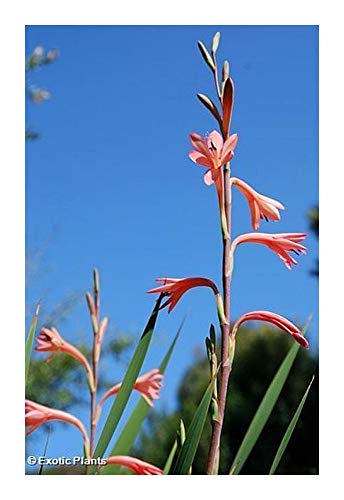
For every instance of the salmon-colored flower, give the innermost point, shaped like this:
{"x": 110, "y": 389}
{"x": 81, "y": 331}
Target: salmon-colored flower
{"x": 49, "y": 340}
{"x": 148, "y": 385}
{"x": 277, "y": 320}
{"x": 36, "y": 415}
{"x": 280, "y": 243}
{"x": 211, "y": 152}
{"x": 138, "y": 466}
{"x": 261, "y": 206}
{"x": 175, "y": 288}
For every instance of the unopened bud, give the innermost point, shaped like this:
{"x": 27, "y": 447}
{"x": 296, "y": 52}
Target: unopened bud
{"x": 102, "y": 327}
{"x": 90, "y": 303}
{"x": 212, "y": 335}
{"x": 96, "y": 280}
{"x": 231, "y": 349}
{"x": 206, "y": 56}
{"x": 39, "y": 96}
{"x": 225, "y": 71}
{"x": 208, "y": 103}
{"x": 214, "y": 410}
{"x": 51, "y": 55}
{"x": 216, "y": 41}
{"x": 220, "y": 309}
{"x": 38, "y": 52}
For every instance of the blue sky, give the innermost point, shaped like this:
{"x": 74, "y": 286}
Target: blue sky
{"x": 109, "y": 183}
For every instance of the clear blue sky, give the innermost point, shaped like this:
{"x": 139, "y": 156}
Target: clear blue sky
{"x": 109, "y": 184}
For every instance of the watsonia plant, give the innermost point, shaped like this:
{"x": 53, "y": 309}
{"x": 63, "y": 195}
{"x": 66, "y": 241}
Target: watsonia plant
{"x": 215, "y": 151}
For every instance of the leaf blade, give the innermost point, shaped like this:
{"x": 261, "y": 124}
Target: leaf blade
{"x": 265, "y": 408}
{"x": 193, "y": 435}
{"x": 290, "y": 429}
{"x": 127, "y": 385}
{"x": 133, "y": 426}
{"x": 29, "y": 342}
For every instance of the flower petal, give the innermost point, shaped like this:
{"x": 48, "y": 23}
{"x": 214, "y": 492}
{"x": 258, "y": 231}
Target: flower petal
{"x": 199, "y": 143}
{"x": 229, "y": 145}
{"x": 211, "y": 176}
{"x": 199, "y": 158}
{"x": 215, "y": 138}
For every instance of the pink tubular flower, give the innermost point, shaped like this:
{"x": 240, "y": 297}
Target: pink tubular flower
{"x": 280, "y": 243}
{"x": 138, "y": 466}
{"x": 261, "y": 206}
{"x": 49, "y": 340}
{"x": 175, "y": 288}
{"x": 148, "y": 385}
{"x": 36, "y": 415}
{"x": 277, "y": 320}
{"x": 211, "y": 152}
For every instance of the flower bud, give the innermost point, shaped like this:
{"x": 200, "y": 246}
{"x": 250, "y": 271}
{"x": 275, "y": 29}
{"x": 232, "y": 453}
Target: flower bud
{"x": 206, "y": 56}
{"x": 215, "y": 44}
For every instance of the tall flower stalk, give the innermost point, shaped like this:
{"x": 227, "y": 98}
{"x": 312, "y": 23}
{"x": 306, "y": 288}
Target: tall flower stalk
{"x": 215, "y": 151}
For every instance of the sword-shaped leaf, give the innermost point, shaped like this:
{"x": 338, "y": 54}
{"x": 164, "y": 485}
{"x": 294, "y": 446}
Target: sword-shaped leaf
{"x": 127, "y": 385}
{"x": 289, "y": 431}
{"x": 134, "y": 424}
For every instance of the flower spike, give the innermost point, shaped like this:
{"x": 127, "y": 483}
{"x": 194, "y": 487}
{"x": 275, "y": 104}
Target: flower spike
{"x": 277, "y": 320}
{"x": 261, "y": 206}
{"x": 280, "y": 243}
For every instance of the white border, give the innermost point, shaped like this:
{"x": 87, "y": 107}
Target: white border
{"x": 18, "y": 14}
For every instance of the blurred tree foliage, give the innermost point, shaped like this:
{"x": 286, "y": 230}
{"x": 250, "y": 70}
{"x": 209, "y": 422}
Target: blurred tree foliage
{"x": 258, "y": 356}
{"x": 35, "y": 94}
{"x": 313, "y": 216}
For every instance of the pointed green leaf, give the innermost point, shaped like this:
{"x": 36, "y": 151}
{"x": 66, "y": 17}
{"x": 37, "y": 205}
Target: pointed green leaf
{"x": 179, "y": 439}
{"x": 265, "y": 408}
{"x": 127, "y": 385}
{"x": 134, "y": 424}
{"x": 289, "y": 431}
{"x": 193, "y": 434}
{"x": 170, "y": 457}
{"x": 29, "y": 342}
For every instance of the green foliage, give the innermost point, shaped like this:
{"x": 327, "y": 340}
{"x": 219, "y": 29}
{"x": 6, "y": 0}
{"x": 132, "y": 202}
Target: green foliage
{"x": 313, "y": 217}
{"x": 258, "y": 355}
{"x": 264, "y": 410}
{"x": 133, "y": 426}
{"x": 193, "y": 435}
{"x": 34, "y": 61}
{"x": 289, "y": 431}
{"x": 29, "y": 343}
